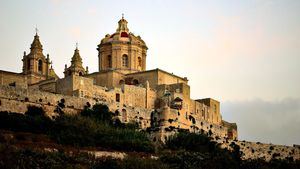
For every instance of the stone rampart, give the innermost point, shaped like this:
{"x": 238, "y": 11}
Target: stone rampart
{"x": 257, "y": 150}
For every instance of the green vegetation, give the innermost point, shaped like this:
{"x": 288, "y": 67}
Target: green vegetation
{"x": 191, "y": 151}
{"x": 97, "y": 127}
{"x": 93, "y": 127}
{"x": 12, "y": 158}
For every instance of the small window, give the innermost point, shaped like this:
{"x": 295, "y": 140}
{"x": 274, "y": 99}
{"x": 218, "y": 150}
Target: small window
{"x": 117, "y": 97}
{"x": 140, "y": 61}
{"x": 40, "y": 66}
{"x": 121, "y": 82}
{"x": 117, "y": 113}
{"x": 28, "y": 64}
{"x": 109, "y": 61}
{"x": 135, "y": 82}
{"x": 125, "y": 60}
{"x": 124, "y": 115}
{"x": 13, "y": 84}
{"x": 80, "y": 74}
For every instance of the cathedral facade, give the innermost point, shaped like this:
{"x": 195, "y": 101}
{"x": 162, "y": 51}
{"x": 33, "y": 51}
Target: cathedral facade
{"x": 154, "y": 98}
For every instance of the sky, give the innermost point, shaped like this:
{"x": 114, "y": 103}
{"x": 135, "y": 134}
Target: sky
{"x": 246, "y": 54}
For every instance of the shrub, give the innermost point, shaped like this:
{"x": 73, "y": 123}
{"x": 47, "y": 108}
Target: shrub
{"x": 31, "y": 122}
{"x": 99, "y": 112}
{"x": 74, "y": 130}
{"x": 35, "y": 111}
{"x": 190, "y": 141}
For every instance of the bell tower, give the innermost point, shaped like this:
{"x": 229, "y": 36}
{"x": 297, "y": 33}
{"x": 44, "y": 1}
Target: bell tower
{"x": 76, "y": 67}
{"x": 122, "y": 51}
{"x": 35, "y": 64}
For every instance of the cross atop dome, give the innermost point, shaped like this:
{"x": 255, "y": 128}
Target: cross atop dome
{"x": 122, "y": 25}
{"x": 36, "y": 30}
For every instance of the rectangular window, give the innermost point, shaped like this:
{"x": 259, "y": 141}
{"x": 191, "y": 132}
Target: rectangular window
{"x": 117, "y": 97}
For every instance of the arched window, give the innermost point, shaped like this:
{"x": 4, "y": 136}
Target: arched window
{"x": 40, "y": 66}
{"x": 125, "y": 60}
{"x": 135, "y": 82}
{"x": 121, "y": 82}
{"x": 109, "y": 61}
{"x": 80, "y": 74}
{"x": 140, "y": 61}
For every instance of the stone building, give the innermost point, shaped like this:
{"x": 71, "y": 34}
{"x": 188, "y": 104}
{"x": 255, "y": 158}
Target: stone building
{"x": 156, "y": 99}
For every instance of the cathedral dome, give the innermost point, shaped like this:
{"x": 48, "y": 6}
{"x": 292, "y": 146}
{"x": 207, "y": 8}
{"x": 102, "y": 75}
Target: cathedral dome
{"x": 122, "y": 34}
{"x": 122, "y": 51}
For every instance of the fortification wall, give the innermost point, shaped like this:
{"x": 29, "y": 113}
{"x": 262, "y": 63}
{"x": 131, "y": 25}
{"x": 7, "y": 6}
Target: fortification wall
{"x": 17, "y": 100}
{"x": 170, "y": 119}
{"x": 10, "y": 78}
{"x": 135, "y": 96}
{"x": 256, "y": 150}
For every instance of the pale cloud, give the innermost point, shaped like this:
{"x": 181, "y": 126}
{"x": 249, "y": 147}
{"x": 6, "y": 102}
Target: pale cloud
{"x": 274, "y": 121}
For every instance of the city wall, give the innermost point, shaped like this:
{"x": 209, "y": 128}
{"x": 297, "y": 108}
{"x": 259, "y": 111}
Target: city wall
{"x": 14, "y": 99}
{"x": 257, "y": 150}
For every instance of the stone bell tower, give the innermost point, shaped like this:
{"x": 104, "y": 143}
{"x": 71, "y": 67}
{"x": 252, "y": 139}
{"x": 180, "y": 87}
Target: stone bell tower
{"x": 35, "y": 64}
{"x": 122, "y": 51}
{"x": 76, "y": 67}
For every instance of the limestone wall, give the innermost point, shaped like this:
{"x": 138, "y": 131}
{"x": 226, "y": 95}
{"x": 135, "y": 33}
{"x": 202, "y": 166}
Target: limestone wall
{"x": 14, "y": 99}
{"x": 10, "y": 78}
{"x": 255, "y": 150}
{"x": 171, "y": 119}
{"x": 12, "y": 96}
{"x": 135, "y": 96}
{"x": 167, "y": 78}
{"x": 142, "y": 77}
{"x": 107, "y": 79}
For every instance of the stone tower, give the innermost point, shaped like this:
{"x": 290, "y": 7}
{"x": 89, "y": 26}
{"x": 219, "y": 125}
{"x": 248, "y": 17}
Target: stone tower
{"x": 35, "y": 64}
{"x": 122, "y": 51}
{"x": 76, "y": 67}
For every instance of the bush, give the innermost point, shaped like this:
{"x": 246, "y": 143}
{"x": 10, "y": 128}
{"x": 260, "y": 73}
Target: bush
{"x": 35, "y": 111}
{"x": 196, "y": 150}
{"x": 11, "y": 157}
{"x": 74, "y": 130}
{"x": 92, "y": 127}
{"x": 99, "y": 112}
{"x": 31, "y": 122}
{"x": 190, "y": 142}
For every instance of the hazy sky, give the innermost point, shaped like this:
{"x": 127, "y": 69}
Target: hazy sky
{"x": 244, "y": 53}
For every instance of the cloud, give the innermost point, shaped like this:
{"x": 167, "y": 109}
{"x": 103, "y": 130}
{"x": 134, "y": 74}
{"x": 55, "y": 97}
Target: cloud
{"x": 266, "y": 121}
